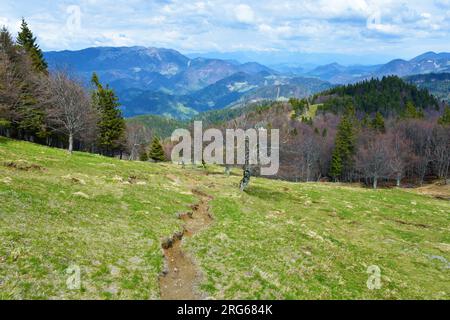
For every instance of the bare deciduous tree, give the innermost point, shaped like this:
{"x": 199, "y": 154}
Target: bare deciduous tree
{"x": 373, "y": 157}
{"x": 138, "y": 136}
{"x": 441, "y": 151}
{"x": 70, "y": 110}
{"x": 420, "y": 133}
{"x": 401, "y": 154}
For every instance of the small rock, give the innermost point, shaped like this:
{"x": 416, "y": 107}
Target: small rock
{"x": 117, "y": 178}
{"x": 135, "y": 260}
{"x": 96, "y": 263}
{"x": 114, "y": 271}
{"x": 81, "y": 194}
{"x": 113, "y": 289}
{"x": 7, "y": 180}
{"x": 222, "y": 237}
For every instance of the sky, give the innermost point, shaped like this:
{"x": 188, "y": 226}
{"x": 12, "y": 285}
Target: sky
{"x": 368, "y": 29}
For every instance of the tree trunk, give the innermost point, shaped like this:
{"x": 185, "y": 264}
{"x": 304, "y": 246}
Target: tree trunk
{"x": 247, "y": 173}
{"x": 70, "y": 143}
{"x": 375, "y": 182}
{"x": 398, "y": 181}
{"x": 446, "y": 173}
{"x": 245, "y": 179}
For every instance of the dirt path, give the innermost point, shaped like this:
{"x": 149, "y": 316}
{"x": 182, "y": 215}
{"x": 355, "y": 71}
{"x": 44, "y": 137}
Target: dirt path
{"x": 181, "y": 278}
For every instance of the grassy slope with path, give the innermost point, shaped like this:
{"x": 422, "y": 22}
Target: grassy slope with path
{"x": 279, "y": 240}
{"x": 104, "y": 215}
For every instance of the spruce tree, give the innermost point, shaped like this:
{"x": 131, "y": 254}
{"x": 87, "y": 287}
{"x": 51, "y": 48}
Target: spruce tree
{"x": 156, "y": 151}
{"x": 345, "y": 145}
{"x": 143, "y": 155}
{"x": 411, "y": 112}
{"x": 445, "y": 119}
{"x": 378, "y": 123}
{"x": 365, "y": 121}
{"x": 111, "y": 124}
{"x": 27, "y": 41}
{"x": 22, "y": 109}
{"x": 6, "y": 51}
{"x": 7, "y": 45}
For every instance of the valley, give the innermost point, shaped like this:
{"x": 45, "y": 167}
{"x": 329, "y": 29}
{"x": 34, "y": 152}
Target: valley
{"x": 167, "y": 83}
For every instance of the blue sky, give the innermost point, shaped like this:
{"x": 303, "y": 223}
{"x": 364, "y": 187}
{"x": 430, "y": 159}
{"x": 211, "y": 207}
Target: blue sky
{"x": 364, "y": 28}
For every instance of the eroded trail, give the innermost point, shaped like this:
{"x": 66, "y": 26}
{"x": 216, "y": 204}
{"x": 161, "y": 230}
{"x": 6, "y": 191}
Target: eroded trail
{"x": 181, "y": 276}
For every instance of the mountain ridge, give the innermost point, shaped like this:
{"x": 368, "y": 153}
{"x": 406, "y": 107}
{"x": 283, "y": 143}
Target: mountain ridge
{"x": 162, "y": 81}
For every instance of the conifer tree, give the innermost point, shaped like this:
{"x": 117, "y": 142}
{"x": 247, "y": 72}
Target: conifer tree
{"x": 365, "y": 121}
{"x": 445, "y": 119}
{"x": 143, "y": 155}
{"x": 21, "y": 92}
{"x": 411, "y": 112}
{"x": 111, "y": 125}
{"x": 156, "y": 151}
{"x": 345, "y": 145}
{"x": 378, "y": 123}
{"x": 6, "y": 52}
{"x": 7, "y": 45}
{"x": 27, "y": 41}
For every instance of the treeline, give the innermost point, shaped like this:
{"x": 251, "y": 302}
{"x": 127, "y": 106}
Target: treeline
{"x": 54, "y": 109}
{"x": 393, "y": 149}
{"x": 389, "y": 96}
{"x": 437, "y": 83}
{"x": 352, "y": 147}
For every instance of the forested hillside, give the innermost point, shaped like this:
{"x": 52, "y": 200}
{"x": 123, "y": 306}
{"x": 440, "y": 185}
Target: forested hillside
{"x": 55, "y": 108}
{"x": 436, "y": 83}
{"x": 389, "y": 96}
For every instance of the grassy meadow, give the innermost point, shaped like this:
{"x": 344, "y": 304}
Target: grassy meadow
{"x": 278, "y": 240}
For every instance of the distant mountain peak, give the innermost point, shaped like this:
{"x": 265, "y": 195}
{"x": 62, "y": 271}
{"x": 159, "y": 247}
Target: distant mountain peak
{"x": 162, "y": 80}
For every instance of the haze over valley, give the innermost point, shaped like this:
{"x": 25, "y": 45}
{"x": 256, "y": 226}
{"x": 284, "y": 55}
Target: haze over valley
{"x": 166, "y": 82}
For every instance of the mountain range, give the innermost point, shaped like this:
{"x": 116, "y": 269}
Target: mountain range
{"x": 426, "y": 63}
{"x": 166, "y": 82}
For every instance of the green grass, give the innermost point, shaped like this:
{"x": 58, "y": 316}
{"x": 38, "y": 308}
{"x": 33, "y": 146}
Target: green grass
{"x": 278, "y": 240}
{"x": 76, "y": 210}
{"x": 284, "y": 240}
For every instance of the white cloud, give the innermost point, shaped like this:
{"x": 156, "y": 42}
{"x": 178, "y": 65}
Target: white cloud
{"x": 225, "y": 25}
{"x": 244, "y": 13}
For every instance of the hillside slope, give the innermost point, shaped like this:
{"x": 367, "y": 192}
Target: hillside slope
{"x": 278, "y": 240}
{"x": 389, "y": 96}
{"x": 437, "y": 84}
